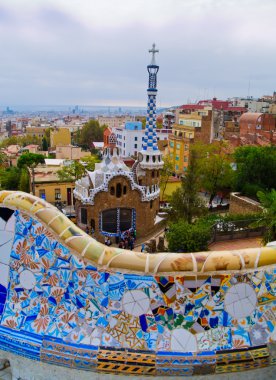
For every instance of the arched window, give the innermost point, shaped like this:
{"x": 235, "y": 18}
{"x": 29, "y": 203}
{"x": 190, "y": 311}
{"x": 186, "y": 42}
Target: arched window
{"x": 151, "y": 202}
{"x": 118, "y": 190}
{"x": 112, "y": 190}
{"x": 152, "y": 174}
{"x": 153, "y": 158}
{"x": 147, "y": 158}
{"x": 124, "y": 190}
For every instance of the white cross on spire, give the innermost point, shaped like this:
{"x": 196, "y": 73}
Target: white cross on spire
{"x": 153, "y": 51}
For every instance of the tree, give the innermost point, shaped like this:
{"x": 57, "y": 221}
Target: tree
{"x": 9, "y": 178}
{"x": 256, "y": 169}
{"x": 24, "y": 183}
{"x": 268, "y": 216}
{"x": 165, "y": 174}
{"x": 215, "y": 171}
{"x": 76, "y": 169}
{"x": 72, "y": 172}
{"x": 185, "y": 201}
{"x": 4, "y": 161}
{"x": 91, "y": 131}
{"x": 30, "y": 161}
{"x": 185, "y": 237}
{"x": 44, "y": 144}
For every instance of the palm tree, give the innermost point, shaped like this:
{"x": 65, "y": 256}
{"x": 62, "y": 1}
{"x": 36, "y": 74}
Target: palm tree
{"x": 268, "y": 216}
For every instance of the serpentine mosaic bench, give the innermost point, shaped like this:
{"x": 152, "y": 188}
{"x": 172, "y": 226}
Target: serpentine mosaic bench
{"x": 68, "y": 300}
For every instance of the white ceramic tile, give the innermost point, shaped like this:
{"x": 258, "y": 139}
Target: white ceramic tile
{"x": 4, "y": 275}
{"x": 240, "y": 300}
{"x": 183, "y": 341}
{"x": 6, "y": 242}
{"x": 136, "y": 302}
{"x": 27, "y": 279}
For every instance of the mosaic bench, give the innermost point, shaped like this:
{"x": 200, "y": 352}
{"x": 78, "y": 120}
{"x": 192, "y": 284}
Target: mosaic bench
{"x": 66, "y": 299}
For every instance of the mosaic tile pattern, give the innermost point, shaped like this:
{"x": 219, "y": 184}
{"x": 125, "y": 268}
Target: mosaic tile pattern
{"x": 59, "y": 308}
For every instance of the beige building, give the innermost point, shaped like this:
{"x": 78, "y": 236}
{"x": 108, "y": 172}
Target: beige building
{"x": 36, "y": 131}
{"x": 114, "y": 121}
{"x": 49, "y": 187}
{"x": 70, "y": 152}
{"x": 60, "y": 136}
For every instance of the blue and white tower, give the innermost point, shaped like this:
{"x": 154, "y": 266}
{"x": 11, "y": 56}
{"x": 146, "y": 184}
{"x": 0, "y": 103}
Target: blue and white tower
{"x": 150, "y": 156}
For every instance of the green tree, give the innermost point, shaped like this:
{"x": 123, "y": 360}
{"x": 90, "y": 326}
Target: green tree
{"x": 256, "y": 169}
{"x": 268, "y": 216}
{"x": 30, "y": 161}
{"x": 185, "y": 237}
{"x": 44, "y": 144}
{"x": 13, "y": 140}
{"x": 24, "y": 183}
{"x": 76, "y": 169}
{"x": 90, "y": 161}
{"x": 165, "y": 174}
{"x": 91, "y": 131}
{"x": 9, "y": 178}
{"x": 71, "y": 172}
{"x": 215, "y": 171}
{"x": 4, "y": 161}
{"x": 185, "y": 201}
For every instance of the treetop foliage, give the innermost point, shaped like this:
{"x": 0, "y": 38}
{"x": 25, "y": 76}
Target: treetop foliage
{"x": 256, "y": 169}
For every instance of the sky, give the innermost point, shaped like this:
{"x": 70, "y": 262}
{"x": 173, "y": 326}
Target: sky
{"x": 95, "y": 52}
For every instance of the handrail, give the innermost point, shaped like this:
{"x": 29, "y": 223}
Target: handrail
{"x": 131, "y": 261}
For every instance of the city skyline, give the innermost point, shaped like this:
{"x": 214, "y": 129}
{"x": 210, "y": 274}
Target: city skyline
{"x": 95, "y": 54}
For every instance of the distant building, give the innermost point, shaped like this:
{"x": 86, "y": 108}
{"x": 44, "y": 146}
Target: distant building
{"x": 130, "y": 137}
{"x": 70, "y": 152}
{"x": 257, "y": 129}
{"x": 38, "y": 132}
{"x": 114, "y": 121}
{"x": 252, "y": 105}
{"x": 60, "y": 136}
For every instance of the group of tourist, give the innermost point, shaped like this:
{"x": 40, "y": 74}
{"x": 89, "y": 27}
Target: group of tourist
{"x": 127, "y": 239}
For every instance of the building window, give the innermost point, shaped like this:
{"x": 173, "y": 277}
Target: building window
{"x": 83, "y": 215}
{"x": 151, "y": 204}
{"x": 42, "y": 194}
{"x": 176, "y": 167}
{"x": 177, "y": 158}
{"x": 57, "y": 194}
{"x": 171, "y": 144}
{"x": 135, "y": 146}
{"x": 117, "y": 219}
{"x": 124, "y": 190}
{"x": 135, "y": 138}
{"x": 185, "y": 159}
{"x": 109, "y": 220}
{"x": 118, "y": 190}
{"x": 177, "y": 146}
{"x": 186, "y": 147}
{"x": 152, "y": 174}
{"x": 112, "y": 190}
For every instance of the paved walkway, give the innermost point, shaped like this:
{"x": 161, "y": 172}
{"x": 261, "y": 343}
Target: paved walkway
{"x": 236, "y": 244}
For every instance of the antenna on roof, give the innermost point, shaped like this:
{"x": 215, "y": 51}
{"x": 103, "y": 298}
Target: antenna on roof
{"x": 248, "y": 90}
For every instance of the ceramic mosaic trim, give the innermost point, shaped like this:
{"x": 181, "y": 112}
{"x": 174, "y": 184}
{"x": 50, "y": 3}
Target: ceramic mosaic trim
{"x": 58, "y": 306}
{"x": 82, "y": 244}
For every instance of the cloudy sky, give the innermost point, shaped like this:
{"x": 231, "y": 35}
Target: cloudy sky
{"x": 95, "y": 52}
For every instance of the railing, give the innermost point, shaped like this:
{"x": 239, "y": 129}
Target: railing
{"x": 230, "y": 230}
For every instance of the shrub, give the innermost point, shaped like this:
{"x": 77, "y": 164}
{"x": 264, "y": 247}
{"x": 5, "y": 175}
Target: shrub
{"x": 185, "y": 237}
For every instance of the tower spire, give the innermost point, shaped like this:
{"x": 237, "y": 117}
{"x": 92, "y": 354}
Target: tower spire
{"x": 150, "y": 152}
